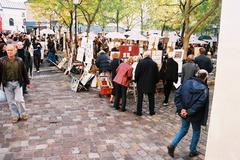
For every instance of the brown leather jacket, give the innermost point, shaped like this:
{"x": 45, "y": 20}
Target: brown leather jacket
{"x": 23, "y": 75}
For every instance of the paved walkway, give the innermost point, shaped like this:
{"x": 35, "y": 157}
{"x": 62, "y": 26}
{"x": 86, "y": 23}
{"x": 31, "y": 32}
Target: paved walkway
{"x": 67, "y": 125}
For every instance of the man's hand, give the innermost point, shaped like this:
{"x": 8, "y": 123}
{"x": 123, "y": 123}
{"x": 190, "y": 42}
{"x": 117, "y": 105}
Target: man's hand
{"x": 29, "y": 86}
{"x": 183, "y": 113}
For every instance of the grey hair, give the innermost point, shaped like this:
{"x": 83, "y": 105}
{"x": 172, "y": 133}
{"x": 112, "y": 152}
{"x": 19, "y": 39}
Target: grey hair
{"x": 202, "y": 74}
{"x": 147, "y": 54}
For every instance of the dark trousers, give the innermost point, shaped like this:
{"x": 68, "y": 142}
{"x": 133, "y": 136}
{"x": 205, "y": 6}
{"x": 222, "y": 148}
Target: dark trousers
{"x": 121, "y": 92}
{"x": 151, "y": 102}
{"x": 37, "y": 61}
{"x": 167, "y": 90}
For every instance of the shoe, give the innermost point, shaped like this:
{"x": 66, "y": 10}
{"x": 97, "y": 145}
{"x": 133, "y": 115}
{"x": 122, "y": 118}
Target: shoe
{"x": 165, "y": 104}
{"x": 151, "y": 114}
{"x": 25, "y": 92}
{"x": 138, "y": 114}
{"x": 193, "y": 154}
{"x": 15, "y": 119}
{"x": 38, "y": 71}
{"x": 123, "y": 110}
{"x": 24, "y": 116}
{"x": 171, "y": 149}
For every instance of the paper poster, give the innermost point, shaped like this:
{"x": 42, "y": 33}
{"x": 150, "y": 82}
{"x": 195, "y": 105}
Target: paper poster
{"x": 62, "y": 63}
{"x": 178, "y": 57}
{"x": 89, "y": 52}
{"x": 80, "y": 54}
{"x": 74, "y": 84}
{"x": 157, "y": 57}
{"x": 176, "y": 85}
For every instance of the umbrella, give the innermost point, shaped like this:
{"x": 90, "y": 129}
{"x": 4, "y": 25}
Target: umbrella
{"x": 115, "y": 35}
{"x": 130, "y": 33}
{"x": 204, "y": 37}
{"x": 137, "y": 37}
{"x": 47, "y": 31}
{"x": 197, "y": 42}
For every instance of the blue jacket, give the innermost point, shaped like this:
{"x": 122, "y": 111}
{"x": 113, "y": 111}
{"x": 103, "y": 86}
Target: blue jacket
{"x": 193, "y": 95}
{"x": 103, "y": 62}
{"x": 204, "y": 63}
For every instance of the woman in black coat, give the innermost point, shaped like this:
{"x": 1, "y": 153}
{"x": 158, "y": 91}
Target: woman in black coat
{"x": 170, "y": 75}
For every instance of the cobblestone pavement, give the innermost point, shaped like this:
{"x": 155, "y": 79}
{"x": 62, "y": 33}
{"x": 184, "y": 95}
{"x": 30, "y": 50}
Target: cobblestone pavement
{"x": 67, "y": 125}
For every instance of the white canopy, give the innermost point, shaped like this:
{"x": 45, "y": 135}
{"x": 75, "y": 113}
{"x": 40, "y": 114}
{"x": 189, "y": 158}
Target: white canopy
{"x": 115, "y": 35}
{"x": 130, "y": 33}
{"x": 47, "y": 31}
{"x": 137, "y": 37}
{"x": 196, "y": 41}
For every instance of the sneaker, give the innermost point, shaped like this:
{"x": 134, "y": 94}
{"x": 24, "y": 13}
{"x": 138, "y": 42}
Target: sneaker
{"x": 193, "y": 154}
{"x": 15, "y": 119}
{"x": 38, "y": 71}
{"x": 24, "y": 116}
{"x": 165, "y": 104}
{"x": 171, "y": 149}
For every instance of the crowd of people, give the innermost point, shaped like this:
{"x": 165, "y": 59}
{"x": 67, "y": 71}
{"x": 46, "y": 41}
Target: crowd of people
{"x": 18, "y": 53}
{"x": 191, "y": 97}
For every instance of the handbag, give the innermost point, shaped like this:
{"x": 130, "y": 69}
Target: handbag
{"x": 2, "y": 96}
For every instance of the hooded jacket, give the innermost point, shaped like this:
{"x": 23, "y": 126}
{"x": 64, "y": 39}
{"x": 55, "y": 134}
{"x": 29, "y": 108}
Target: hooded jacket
{"x": 193, "y": 95}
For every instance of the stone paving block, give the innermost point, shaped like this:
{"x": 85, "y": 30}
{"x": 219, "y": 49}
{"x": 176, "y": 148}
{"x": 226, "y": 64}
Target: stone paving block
{"x": 72, "y": 126}
{"x": 93, "y": 155}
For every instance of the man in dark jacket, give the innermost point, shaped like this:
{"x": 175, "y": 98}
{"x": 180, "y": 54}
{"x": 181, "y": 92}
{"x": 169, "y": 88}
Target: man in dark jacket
{"x": 13, "y": 75}
{"x": 192, "y": 101}
{"x": 170, "y": 76}
{"x": 37, "y": 54}
{"x": 146, "y": 77}
{"x": 203, "y": 61}
{"x": 103, "y": 62}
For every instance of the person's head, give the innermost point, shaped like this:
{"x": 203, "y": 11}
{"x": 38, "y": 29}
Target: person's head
{"x": 190, "y": 57}
{"x": 11, "y": 51}
{"x": 202, "y": 74}
{"x": 2, "y": 47}
{"x": 147, "y": 54}
{"x": 19, "y": 45}
{"x": 202, "y": 51}
{"x": 130, "y": 60}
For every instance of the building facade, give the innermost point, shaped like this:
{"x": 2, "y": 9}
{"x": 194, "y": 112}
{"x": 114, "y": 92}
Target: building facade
{"x": 12, "y": 16}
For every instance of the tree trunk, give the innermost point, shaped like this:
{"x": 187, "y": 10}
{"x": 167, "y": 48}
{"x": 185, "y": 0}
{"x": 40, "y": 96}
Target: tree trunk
{"x": 185, "y": 45}
{"x": 183, "y": 29}
{"x": 117, "y": 20}
{"x": 88, "y": 28}
{"x": 163, "y": 28}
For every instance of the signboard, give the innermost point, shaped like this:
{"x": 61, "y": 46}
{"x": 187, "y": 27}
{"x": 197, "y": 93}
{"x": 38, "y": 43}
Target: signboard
{"x": 128, "y": 50}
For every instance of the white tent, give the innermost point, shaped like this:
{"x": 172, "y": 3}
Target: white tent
{"x": 115, "y": 35}
{"x": 130, "y": 33}
{"x": 137, "y": 37}
{"x": 47, "y": 32}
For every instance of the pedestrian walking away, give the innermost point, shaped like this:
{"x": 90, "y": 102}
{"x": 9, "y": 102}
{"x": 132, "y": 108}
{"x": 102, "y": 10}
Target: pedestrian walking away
{"x": 192, "y": 102}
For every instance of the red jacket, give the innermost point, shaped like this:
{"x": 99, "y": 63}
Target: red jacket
{"x": 124, "y": 74}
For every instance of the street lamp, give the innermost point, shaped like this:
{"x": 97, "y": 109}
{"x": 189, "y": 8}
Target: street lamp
{"x": 75, "y": 2}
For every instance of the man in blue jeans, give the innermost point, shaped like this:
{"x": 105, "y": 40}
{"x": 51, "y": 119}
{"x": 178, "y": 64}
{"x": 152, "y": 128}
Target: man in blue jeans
{"x": 192, "y": 101}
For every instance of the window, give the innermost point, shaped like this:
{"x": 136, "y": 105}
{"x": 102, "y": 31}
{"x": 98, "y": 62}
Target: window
{"x": 11, "y": 22}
